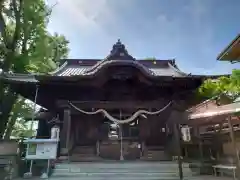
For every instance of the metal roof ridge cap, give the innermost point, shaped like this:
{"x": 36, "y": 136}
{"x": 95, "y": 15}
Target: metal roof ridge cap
{"x": 178, "y": 70}
{"x": 65, "y": 64}
{"x": 95, "y": 66}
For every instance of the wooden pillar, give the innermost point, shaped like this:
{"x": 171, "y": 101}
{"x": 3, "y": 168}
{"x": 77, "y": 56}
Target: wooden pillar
{"x": 65, "y": 132}
{"x": 218, "y": 141}
{"x": 178, "y": 148}
{"x": 200, "y": 144}
{"x": 234, "y": 147}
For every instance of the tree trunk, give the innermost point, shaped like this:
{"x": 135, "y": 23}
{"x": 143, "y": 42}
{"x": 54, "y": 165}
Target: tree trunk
{"x": 6, "y": 105}
{"x": 10, "y": 124}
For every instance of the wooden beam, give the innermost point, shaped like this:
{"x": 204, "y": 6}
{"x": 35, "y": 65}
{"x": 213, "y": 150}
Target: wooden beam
{"x": 113, "y": 104}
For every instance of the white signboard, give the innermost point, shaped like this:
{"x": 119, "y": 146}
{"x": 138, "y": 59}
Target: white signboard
{"x": 41, "y": 149}
{"x": 186, "y": 135}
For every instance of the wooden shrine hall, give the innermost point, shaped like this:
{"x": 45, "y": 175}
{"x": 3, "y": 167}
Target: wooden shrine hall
{"x": 118, "y": 108}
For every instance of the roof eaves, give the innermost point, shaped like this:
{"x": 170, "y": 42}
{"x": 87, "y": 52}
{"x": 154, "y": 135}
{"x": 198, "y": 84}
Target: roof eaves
{"x": 230, "y": 46}
{"x": 19, "y": 77}
{"x": 177, "y": 70}
{"x": 60, "y": 69}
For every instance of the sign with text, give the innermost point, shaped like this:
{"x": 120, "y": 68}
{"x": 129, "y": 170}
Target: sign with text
{"x": 41, "y": 149}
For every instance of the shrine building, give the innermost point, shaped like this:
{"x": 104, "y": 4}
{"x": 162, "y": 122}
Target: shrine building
{"x": 117, "y": 108}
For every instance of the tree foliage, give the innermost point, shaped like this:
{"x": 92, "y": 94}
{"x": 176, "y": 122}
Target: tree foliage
{"x": 25, "y": 46}
{"x": 227, "y": 86}
{"x": 17, "y": 125}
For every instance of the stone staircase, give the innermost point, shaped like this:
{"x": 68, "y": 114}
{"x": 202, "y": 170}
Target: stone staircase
{"x": 84, "y": 153}
{"x": 120, "y": 170}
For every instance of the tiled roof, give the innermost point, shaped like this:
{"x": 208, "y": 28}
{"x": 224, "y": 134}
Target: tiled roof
{"x": 164, "y": 69}
{"x": 25, "y": 78}
{"x": 118, "y": 56}
{"x": 88, "y": 68}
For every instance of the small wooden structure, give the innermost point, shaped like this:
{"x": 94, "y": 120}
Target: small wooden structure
{"x": 8, "y": 159}
{"x": 220, "y": 115}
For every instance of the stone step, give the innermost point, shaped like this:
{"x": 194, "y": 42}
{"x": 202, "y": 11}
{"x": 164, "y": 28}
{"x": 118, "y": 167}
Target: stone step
{"x": 120, "y": 177}
{"x": 81, "y": 170}
{"x": 124, "y": 169}
{"x": 155, "y": 148}
{"x": 122, "y": 165}
{"x": 83, "y": 152}
{"x": 83, "y": 155}
{"x": 153, "y": 159}
{"x": 155, "y": 155}
{"x": 113, "y": 175}
{"x": 117, "y": 175}
{"x": 86, "y": 159}
{"x": 159, "y": 177}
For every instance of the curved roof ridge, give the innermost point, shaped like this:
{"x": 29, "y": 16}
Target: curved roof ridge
{"x": 175, "y": 68}
{"x": 95, "y": 66}
{"x": 117, "y": 62}
{"x": 59, "y": 69}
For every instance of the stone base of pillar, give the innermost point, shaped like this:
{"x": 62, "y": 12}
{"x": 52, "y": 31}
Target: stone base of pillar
{"x": 121, "y": 158}
{"x": 64, "y": 151}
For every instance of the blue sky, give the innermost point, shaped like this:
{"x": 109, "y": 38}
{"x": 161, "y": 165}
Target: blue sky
{"x": 191, "y": 31}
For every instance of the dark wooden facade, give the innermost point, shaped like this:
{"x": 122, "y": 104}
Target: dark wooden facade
{"x": 121, "y": 85}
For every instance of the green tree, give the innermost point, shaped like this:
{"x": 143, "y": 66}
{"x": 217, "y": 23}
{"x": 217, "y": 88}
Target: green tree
{"x": 21, "y": 130}
{"x": 226, "y": 88}
{"x": 25, "y": 45}
{"x": 17, "y": 126}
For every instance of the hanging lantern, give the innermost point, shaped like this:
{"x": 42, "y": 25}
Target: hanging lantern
{"x": 55, "y": 132}
{"x": 186, "y": 136}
